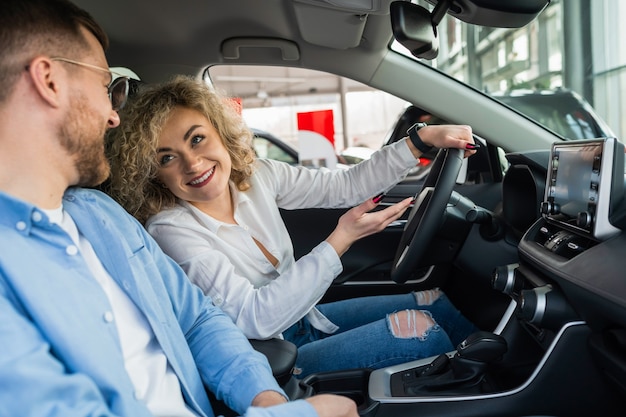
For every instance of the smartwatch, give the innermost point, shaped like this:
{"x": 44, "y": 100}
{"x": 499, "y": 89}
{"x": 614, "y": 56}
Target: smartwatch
{"x": 415, "y": 138}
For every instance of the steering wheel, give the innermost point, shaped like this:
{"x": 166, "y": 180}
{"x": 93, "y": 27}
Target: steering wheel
{"x": 425, "y": 217}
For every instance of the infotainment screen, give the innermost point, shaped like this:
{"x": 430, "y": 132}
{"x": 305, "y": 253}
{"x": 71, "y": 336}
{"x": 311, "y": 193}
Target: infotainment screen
{"x": 584, "y": 184}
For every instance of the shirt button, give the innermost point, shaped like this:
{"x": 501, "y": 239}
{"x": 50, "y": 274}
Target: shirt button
{"x": 218, "y": 301}
{"x": 126, "y": 285}
{"x": 71, "y": 250}
{"x": 36, "y": 216}
{"x": 20, "y": 226}
{"x": 108, "y": 317}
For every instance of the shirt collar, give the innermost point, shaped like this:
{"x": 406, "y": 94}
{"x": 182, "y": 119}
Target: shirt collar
{"x": 238, "y": 196}
{"x": 209, "y": 222}
{"x": 19, "y": 214}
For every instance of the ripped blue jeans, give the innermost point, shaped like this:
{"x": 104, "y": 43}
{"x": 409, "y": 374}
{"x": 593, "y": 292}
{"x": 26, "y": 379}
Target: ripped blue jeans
{"x": 379, "y": 331}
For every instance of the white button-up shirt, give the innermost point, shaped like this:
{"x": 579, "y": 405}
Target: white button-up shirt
{"x": 225, "y": 262}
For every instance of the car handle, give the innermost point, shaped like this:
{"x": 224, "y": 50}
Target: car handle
{"x": 384, "y": 204}
{"x": 396, "y": 224}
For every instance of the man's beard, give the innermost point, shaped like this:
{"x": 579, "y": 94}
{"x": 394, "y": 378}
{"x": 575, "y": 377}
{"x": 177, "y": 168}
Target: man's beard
{"x": 83, "y": 138}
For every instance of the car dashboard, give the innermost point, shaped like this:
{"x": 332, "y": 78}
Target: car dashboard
{"x": 565, "y": 328}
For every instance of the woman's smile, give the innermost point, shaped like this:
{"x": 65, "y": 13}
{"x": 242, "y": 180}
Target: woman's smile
{"x": 202, "y": 180}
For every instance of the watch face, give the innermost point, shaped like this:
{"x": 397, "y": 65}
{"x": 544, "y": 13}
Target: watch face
{"x": 417, "y": 126}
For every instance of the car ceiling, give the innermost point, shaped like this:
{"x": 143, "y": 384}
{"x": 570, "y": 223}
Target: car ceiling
{"x": 159, "y": 38}
{"x": 163, "y": 37}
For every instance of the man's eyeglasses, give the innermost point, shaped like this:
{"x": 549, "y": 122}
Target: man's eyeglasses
{"x": 118, "y": 88}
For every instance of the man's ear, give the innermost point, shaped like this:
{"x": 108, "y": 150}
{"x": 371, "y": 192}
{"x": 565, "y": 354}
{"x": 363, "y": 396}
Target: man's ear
{"x": 46, "y": 79}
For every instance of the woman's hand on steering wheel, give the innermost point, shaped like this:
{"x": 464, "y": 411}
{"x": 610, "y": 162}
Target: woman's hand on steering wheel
{"x": 445, "y": 136}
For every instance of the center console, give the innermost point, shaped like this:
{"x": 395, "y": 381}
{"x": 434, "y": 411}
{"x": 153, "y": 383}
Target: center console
{"x": 529, "y": 362}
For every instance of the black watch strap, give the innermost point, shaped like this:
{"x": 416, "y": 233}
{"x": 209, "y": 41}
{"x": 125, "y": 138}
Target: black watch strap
{"x": 415, "y": 137}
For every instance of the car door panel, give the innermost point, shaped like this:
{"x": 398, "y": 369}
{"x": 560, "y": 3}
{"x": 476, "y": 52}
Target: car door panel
{"x": 367, "y": 264}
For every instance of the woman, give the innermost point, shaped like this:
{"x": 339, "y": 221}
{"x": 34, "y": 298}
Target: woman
{"x": 182, "y": 164}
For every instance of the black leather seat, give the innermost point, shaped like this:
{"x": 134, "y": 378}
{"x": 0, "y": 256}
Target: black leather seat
{"x": 281, "y": 355}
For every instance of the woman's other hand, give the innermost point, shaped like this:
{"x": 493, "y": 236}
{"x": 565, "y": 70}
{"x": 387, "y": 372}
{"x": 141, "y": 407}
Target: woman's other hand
{"x": 361, "y": 221}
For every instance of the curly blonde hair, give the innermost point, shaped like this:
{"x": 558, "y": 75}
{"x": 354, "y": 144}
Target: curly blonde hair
{"x": 132, "y": 146}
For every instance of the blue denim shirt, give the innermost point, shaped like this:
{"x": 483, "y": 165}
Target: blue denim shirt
{"x": 59, "y": 350}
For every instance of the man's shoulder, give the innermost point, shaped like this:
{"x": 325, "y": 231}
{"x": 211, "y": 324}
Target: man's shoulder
{"x": 87, "y": 194}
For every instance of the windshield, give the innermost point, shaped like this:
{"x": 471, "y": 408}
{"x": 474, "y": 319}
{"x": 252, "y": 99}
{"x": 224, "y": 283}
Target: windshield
{"x": 542, "y": 69}
{"x": 553, "y": 70}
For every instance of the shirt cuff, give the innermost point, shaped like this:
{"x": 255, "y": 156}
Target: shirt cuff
{"x": 406, "y": 154}
{"x": 259, "y": 380}
{"x": 329, "y": 255}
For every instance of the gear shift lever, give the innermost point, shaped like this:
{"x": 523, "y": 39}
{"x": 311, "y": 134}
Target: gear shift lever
{"x": 465, "y": 369}
{"x": 475, "y": 353}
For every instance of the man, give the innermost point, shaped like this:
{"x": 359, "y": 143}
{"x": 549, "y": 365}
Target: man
{"x": 94, "y": 318}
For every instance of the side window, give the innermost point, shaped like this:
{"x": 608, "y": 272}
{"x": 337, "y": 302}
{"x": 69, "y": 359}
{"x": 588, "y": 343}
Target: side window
{"x": 264, "y": 148}
{"x": 326, "y": 119}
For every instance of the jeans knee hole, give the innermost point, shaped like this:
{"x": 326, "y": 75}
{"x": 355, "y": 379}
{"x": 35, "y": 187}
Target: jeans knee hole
{"x": 410, "y": 324}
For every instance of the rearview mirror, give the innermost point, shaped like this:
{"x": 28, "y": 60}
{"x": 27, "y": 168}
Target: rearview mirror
{"x": 413, "y": 27}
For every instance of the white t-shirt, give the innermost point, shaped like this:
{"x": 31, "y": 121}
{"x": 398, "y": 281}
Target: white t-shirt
{"x": 154, "y": 380}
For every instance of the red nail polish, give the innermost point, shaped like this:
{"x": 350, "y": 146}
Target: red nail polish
{"x": 378, "y": 198}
